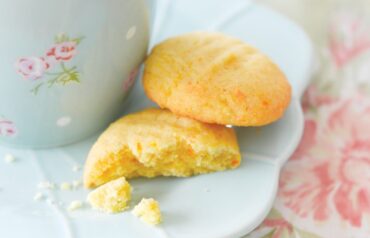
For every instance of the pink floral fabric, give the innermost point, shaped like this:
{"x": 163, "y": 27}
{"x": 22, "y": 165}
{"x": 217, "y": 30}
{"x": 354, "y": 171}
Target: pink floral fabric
{"x": 335, "y": 164}
{"x": 324, "y": 188}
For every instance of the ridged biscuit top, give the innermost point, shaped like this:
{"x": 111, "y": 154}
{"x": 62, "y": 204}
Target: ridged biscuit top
{"x": 215, "y": 78}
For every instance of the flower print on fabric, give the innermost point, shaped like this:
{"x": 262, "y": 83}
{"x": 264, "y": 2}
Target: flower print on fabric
{"x": 332, "y": 175}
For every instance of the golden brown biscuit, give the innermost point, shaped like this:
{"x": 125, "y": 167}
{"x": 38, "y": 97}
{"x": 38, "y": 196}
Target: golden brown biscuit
{"x": 215, "y": 78}
{"x": 156, "y": 142}
{"x": 148, "y": 211}
{"x": 111, "y": 197}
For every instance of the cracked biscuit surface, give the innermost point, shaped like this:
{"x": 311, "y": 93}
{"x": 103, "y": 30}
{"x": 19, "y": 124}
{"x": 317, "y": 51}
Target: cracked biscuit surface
{"x": 155, "y": 142}
{"x": 216, "y": 78}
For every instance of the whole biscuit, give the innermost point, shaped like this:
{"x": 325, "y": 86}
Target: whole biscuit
{"x": 215, "y": 78}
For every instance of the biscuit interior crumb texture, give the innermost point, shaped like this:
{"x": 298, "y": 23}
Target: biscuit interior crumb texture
{"x": 216, "y": 78}
{"x": 156, "y": 142}
{"x": 111, "y": 197}
{"x": 148, "y": 211}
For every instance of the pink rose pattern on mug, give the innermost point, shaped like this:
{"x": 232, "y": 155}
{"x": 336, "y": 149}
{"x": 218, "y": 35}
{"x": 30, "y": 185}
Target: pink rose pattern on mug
{"x": 44, "y": 69}
{"x": 131, "y": 79}
{"x": 7, "y": 127}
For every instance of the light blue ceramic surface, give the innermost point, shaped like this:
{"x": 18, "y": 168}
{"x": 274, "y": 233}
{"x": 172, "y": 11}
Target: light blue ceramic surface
{"x": 66, "y": 66}
{"x": 220, "y": 205}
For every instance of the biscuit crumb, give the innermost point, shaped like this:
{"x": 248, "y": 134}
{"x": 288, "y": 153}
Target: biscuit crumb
{"x": 111, "y": 197}
{"x": 38, "y": 196}
{"x": 76, "y": 168}
{"x": 76, "y": 184}
{"x": 74, "y": 205}
{"x": 9, "y": 158}
{"x": 148, "y": 211}
{"x": 46, "y": 185}
{"x": 65, "y": 186}
{"x": 50, "y": 201}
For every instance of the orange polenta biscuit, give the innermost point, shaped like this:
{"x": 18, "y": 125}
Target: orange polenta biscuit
{"x": 215, "y": 78}
{"x": 156, "y": 142}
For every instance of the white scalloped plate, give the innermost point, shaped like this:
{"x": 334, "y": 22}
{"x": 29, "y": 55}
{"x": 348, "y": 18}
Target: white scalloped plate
{"x": 225, "y": 204}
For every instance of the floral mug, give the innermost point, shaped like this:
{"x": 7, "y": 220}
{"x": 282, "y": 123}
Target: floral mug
{"x": 66, "y": 66}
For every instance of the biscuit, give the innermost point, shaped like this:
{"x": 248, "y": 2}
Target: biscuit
{"x": 156, "y": 142}
{"x": 215, "y": 78}
{"x": 148, "y": 211}
{"x": 111, "y": 197}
